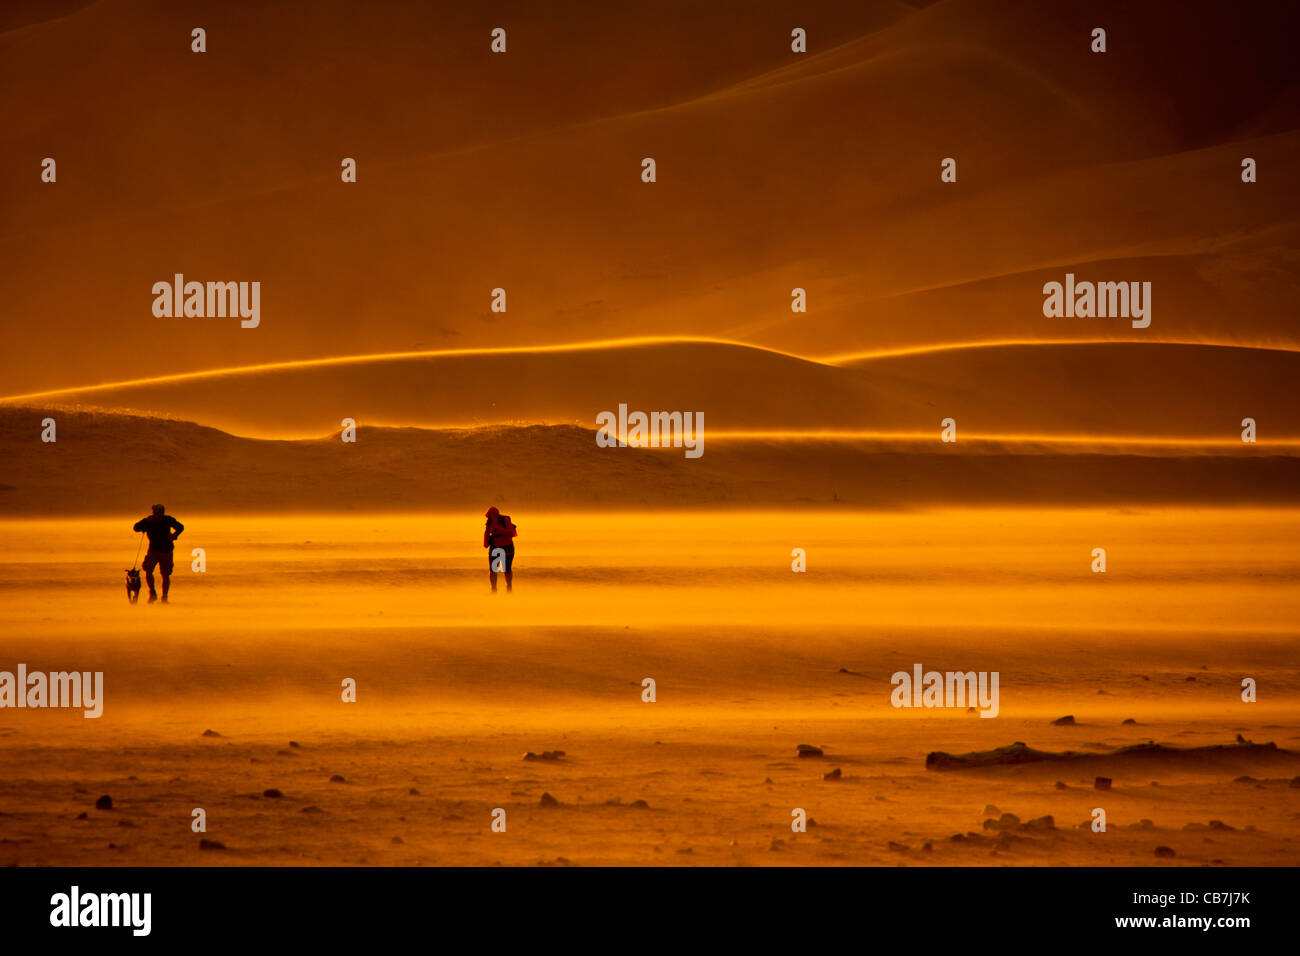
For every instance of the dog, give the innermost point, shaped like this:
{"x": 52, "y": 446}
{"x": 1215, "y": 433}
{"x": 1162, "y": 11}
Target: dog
{"x": 133, "y": 585}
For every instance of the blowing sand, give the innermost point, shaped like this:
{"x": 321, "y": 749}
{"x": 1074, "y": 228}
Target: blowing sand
{"x": 455, "y": 686}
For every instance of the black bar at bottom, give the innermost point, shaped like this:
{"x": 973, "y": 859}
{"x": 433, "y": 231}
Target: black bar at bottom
{"x": 920, "y": 906}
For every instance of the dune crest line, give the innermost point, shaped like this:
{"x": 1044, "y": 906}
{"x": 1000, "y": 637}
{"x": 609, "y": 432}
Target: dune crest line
{"x": 831, "y": 361}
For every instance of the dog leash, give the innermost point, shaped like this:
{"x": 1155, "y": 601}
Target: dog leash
{"x": 137, "y": 551}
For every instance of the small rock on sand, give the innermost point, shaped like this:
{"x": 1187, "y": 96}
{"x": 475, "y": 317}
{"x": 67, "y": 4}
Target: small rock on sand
{"x": 1165, "y": 851}
{"x": 210, "y": 733}
{"x": 544, "y": 755}
{"x": 1129, "y": 721}
{"x": 1102, "y": 783}
{"x": 337, "y": 778}
{"x": 1220, "y": 825}
{"x": 273, "y": 793}
{"x": 1066, "y": 721}
{"x": 1061, "y": 785}
{"x": 990, "y": 809}
{"x": 899, "y": 847}
{"x": 808, "y": 750}
{"x": 312, "y": 809}
{"x": 206, "y": 844}
{"x": 104, "y": 803}
{"x": 294, "y": 744}
{"x": 1295, "y": 783}
{"x": 413, "y": 792}
{"x": 548, "y": 801}
{"x": 836, "y": 774}
{"x": 1004, "y": 822}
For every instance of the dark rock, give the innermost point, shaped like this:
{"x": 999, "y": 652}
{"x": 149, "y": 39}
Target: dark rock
{"x": 337, "y": 778}
{"x": 808, "y": 750}
{"x": 1220, "y": 825}
{"x": 1060, "y": 785}
{"x": 312, "y": 809}
{"x": 549, "y": 801}
{"x": 836, "y": 774}
{"x": 1066, "y": 721}
{"x": 544, "y": 755}
{"x": 899, "y": 847}
{"x": 209, "y": 733}
{"x": 1101, "y": 783}
{"x": 990, "y": 809}
{"x": 272, "y": 793}
{"x": 1165, "y": 851}
{"x": 104, "y": 803}
{"x": 413, "y": 792}
{"x": 639, "y": 804}
{"x": 294, "y": 744}
{"x": 1040, "y": 823}
{"x": 1004, "y": 822}
{"x": 206, "y": 844}
{"x": 1129, "y": 721}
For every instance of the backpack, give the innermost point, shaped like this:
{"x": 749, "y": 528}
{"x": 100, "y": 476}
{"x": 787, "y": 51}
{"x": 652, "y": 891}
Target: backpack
{"x": 509, "y": 526}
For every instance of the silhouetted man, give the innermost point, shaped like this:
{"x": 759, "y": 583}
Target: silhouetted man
{"x": 499, "y": 535}
{"x": 162, "y": 529}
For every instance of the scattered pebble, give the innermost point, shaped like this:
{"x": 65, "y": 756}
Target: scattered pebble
{"x": 544, "y": 755}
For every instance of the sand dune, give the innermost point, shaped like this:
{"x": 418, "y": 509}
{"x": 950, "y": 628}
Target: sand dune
{"x": 1117, "y": 390}
{"x": 104, "y": 463}
{"x": 478, "y": 174}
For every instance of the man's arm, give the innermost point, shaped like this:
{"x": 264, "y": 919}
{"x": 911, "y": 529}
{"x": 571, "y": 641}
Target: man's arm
{"x": 138, "y": 526}
{"x": 178, "y": 529}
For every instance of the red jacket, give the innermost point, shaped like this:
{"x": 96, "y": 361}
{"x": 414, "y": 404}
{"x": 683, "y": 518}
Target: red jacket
{"x": 499, "y": 531}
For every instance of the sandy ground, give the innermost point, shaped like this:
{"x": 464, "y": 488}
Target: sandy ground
{"x": 750, "y": 660}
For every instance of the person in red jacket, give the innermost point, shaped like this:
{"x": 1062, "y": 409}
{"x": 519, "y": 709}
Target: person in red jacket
{"x": 499, "y": 535}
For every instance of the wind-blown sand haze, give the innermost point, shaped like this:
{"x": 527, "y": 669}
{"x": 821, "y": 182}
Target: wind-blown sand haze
{"x": 919, "y": 469}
